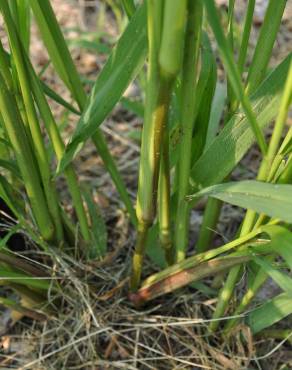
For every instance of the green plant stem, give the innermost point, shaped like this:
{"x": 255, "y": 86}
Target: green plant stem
{"x": 59, "y": 149}
{"x": 164, "y": 202}
{"x": 146, "y": 216}
{"x": 189, "y": 82}
{"x": 233, "y": 73}
{"x": 210, "y": 219}
{"x": 145, "y": 208}
{"x": 284, "y": 176}
{"x": 245, "y": 35}
{"x": 224, "y": 296}
{"x": 266, "y": 163}
{"x": 249, "y": 219}
{"x": 39, "y": 146}
{"x": 232, "y": 103}
{"x": 21, "y": 15}
{"x": 207, "y": 81}
{"x": 170, "y": 54}
{"x": 265, "y": 43}
{"x": 256, "y": 74}
{"x": 259, "y": 280}
{"x": 263, "y": 175}
{"x": 165, "y": 47}
{"x": 25, "y": 160}
{"x": 129, "y": 7}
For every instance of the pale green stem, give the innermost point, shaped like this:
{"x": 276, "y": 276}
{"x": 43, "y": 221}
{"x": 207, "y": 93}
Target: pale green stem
{"x": 262, "y": 176}
{"x": 38, "y": 142}
{"x": 210, "y": 219}
{"x": 249, "y": 220}
{"x": 24, "y": 156}
{"x": 189, "y": 83}
{"x": 164, "y": 64}
{"x": 164, "y": 202}
{"x": 265, "y": 43}
{"x": 245, "y": 35}
{"x": 129, "y": 7}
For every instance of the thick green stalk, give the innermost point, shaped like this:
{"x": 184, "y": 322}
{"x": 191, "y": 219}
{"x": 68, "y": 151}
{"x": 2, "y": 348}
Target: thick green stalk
{"x": 63, "y": 63}
{"x": 164, "y": 64}
{"x": 145, "y": 208}
{"x": 189, "y": 82}
{"x": 265, "y": 43}
{"x": 25, "y": 160}
{"x": 245, "y": 35}
{"x": 38, "y": 142}
{"x": 146, "y": 216}
{"x": 170, "y": 54}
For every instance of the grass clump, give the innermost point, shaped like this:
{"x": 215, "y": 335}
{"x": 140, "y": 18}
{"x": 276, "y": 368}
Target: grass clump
{"x": 192, "y": 140}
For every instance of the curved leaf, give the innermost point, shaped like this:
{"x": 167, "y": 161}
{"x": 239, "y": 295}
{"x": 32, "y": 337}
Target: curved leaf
{"x": 228, "y": 148}
{"x": 271, "y": 312}
{"x": 121, "y": 68}
{"x": 283, "y": 280}
{"x": 272, "y": 200}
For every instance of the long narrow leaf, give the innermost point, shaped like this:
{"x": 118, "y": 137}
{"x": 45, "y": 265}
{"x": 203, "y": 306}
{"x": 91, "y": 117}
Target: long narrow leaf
{"x": 233, "y": 73}
{"x": 283, "y": 280}
{"x": 121, "y": 68}
{"x": 228, "y": 148}
{"x": 271, "y": 312}
{"x": 272, "y": 200}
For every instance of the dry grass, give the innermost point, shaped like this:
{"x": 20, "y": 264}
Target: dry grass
{"x": 96, "y": 327}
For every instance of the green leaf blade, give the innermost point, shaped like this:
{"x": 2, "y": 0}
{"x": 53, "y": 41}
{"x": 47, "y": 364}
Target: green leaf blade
{"x": 121, "y": 68}
{"x": 228, "y": 148}
{"x": 272, "y": 200}
{"x": 271, "y": 312}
